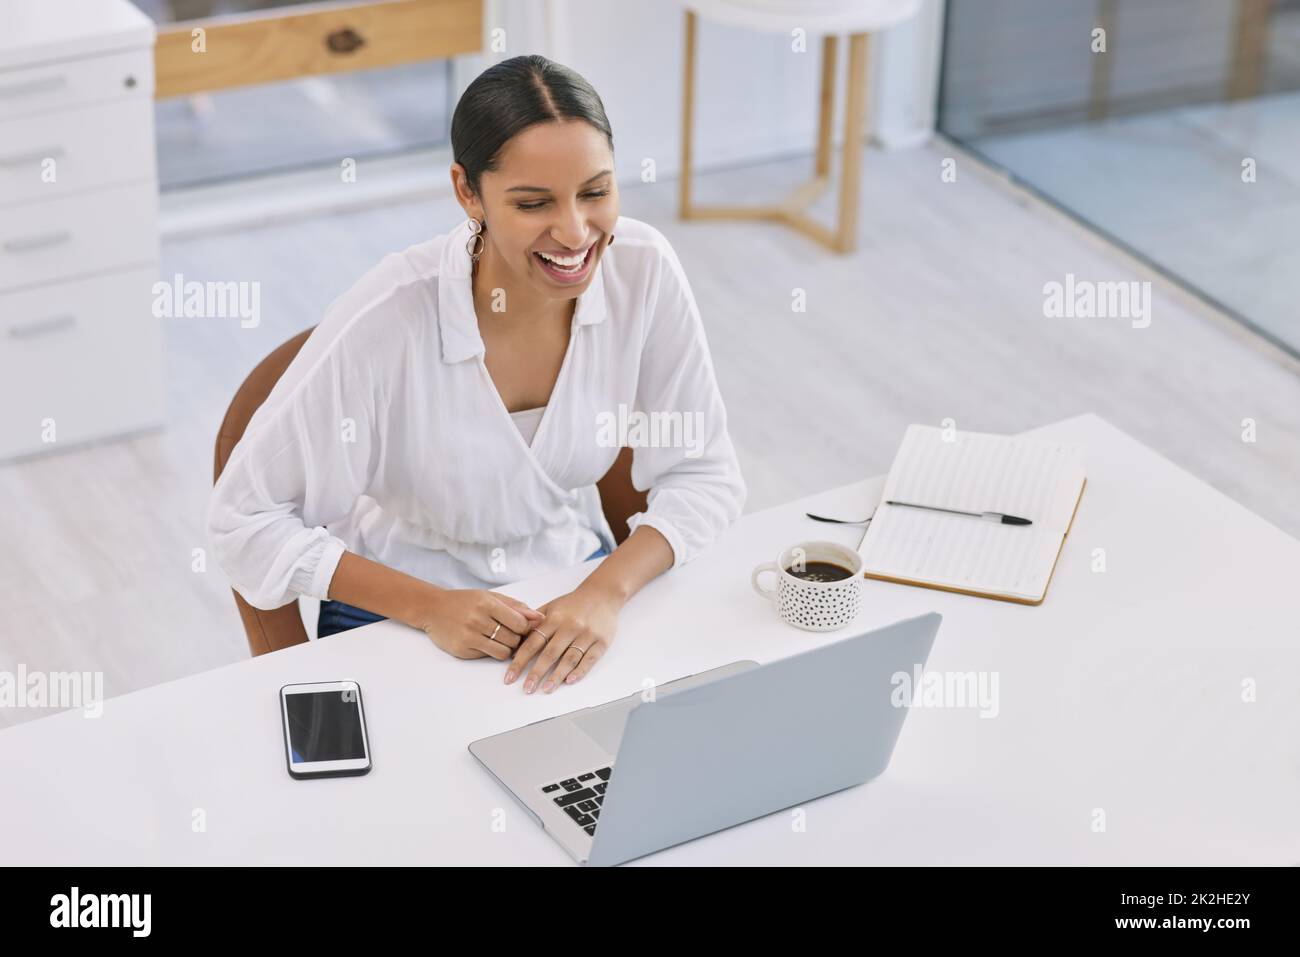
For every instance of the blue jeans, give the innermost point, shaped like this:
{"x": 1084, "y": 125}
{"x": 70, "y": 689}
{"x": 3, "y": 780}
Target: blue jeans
{"x": 336, "y": 616}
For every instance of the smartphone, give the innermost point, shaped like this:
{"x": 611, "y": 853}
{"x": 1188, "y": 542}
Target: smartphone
{"x": 324, "y": 729}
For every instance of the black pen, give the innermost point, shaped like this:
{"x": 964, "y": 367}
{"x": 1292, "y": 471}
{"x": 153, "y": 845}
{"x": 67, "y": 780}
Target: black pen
{"x": 991, "y": 516}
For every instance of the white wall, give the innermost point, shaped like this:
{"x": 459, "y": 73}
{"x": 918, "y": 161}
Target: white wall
{"x": 906, "y": 78}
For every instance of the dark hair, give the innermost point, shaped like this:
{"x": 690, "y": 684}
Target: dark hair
{"x": 510, "y": 96}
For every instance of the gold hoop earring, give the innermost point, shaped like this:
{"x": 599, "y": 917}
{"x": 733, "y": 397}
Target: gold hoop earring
{"x": 476, "y": 233}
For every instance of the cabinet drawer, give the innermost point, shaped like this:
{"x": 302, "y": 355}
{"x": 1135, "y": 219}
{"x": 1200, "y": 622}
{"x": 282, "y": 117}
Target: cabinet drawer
{"x": 47, "y": 156}
{"x": 87, "y": 355}
{"x": 78, "y": 234}
{"x": 58, "y": 86}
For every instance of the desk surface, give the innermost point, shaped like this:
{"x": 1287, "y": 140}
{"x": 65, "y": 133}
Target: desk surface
{"x": 1122, "y": 694}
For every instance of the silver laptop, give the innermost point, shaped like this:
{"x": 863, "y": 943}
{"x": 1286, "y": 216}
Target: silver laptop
{"x": 705, "y": 752}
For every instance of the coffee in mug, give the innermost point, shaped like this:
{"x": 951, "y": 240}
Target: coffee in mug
{"x": 818, "y": 586}
{"x": 819, "y": 572}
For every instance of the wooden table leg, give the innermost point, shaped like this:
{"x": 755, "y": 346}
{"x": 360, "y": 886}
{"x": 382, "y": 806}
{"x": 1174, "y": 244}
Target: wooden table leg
{"x": 1249, "y": 49}
{"x": 688, "y": 114}
{"x": 826, "y": 110}
{"x": 1099, "y": 82}
{"x": 792, "y": 210}
{"x": 855, "y": 109}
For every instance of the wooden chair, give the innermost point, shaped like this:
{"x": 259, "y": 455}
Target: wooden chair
{"x": 282, "y": 627}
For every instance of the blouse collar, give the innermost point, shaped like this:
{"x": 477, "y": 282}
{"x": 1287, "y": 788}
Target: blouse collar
{"x": 456, "y": 317}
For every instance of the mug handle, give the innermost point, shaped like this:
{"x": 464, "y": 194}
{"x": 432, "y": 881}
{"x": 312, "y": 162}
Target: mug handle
{"x": 768, "y": 593}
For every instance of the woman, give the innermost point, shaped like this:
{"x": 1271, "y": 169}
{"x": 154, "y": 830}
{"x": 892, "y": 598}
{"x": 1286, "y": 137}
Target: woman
{"x": 442, "y": 430}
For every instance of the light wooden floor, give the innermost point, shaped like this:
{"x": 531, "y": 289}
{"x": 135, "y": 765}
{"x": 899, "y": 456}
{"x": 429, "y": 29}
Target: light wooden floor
{"x": 939, "y": 314}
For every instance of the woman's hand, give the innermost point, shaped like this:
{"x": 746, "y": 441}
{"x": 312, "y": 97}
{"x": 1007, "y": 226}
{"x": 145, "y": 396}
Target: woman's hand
{"x": 578, "y": 629}
{"x": 462, "y": 622}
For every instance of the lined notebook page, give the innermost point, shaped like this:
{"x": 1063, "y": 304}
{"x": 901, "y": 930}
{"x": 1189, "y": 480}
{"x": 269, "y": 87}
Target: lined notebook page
{"x": 975, "y": 472}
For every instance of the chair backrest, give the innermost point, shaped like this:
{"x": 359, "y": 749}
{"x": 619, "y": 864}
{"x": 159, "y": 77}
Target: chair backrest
{"x": 279, "y": 627}
{"x": 282, "y": 627}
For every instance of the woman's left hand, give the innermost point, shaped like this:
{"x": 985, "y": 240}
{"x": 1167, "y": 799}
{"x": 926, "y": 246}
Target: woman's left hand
{"x": 576, "y": 632}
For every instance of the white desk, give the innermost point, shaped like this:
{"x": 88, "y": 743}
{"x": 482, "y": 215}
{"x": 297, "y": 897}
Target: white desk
{"x": 1121, "y": 692}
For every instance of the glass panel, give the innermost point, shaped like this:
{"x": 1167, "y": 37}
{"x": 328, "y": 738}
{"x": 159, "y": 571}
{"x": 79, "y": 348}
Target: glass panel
{"x": 1173, "y": 131}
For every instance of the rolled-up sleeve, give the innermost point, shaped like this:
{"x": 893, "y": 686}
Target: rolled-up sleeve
{"x": 687, "y": 460}
{"x": 308, "y": 454}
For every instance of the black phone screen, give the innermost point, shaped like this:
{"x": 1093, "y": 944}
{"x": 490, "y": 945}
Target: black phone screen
{"x": 325, "y": 726}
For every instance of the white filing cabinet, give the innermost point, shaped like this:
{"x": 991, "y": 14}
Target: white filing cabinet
{"x": 81, "y": 353}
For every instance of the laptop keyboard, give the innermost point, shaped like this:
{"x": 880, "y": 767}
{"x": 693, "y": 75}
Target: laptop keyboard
{"x": 580, "y": 797}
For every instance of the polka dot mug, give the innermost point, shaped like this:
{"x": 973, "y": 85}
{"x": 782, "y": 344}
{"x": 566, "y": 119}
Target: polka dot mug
{"x": 809, "y": 593}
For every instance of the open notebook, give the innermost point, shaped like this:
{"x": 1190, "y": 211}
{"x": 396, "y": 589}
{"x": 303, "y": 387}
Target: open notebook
{"x": 975, "y": 472}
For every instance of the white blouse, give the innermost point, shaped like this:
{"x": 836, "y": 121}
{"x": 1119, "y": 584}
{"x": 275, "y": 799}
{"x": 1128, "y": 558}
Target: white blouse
{"x": 387, "y": 437}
